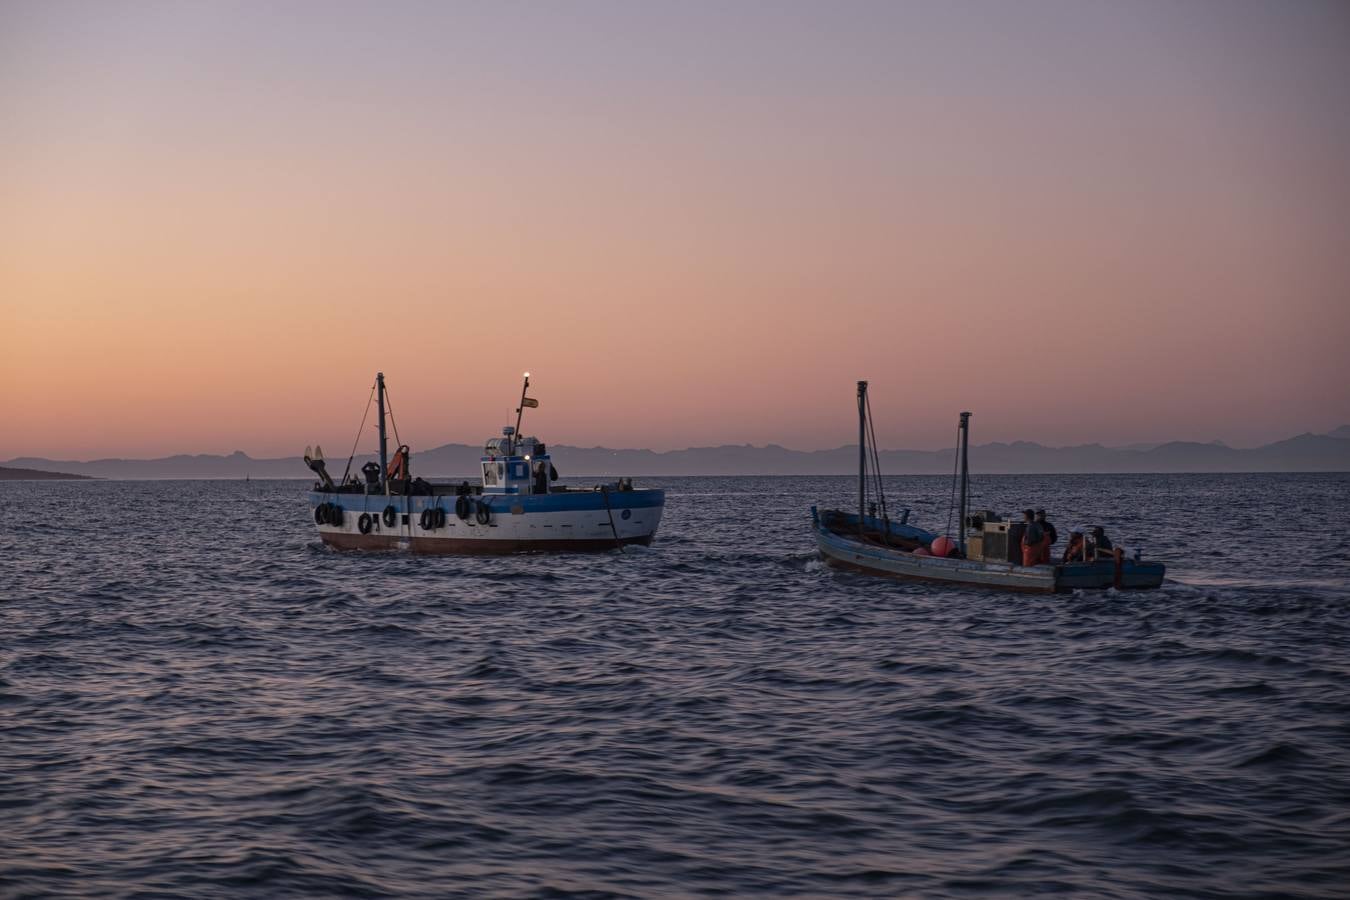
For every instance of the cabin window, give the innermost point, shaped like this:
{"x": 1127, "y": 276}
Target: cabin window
{"x": 489, "y": 473}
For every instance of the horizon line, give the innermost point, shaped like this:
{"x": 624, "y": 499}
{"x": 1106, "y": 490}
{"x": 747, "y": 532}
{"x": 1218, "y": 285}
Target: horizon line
{"x": 1132, "y": 447}
{"x": 1135, "y": 447}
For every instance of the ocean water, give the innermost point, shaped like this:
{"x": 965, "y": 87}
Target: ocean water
{"x": 198, "y": 700}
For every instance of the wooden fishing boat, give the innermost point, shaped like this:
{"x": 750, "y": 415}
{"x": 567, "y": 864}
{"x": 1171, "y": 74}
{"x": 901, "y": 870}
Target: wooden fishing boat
{"x": 985, "y": 553}
{"x": 514, "y": 506}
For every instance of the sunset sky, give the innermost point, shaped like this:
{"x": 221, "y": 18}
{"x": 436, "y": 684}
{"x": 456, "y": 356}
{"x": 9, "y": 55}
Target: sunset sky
{"x": 694, "y": 223}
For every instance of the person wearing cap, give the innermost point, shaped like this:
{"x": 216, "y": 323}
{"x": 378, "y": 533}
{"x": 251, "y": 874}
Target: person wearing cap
{"x": 1051, "y": 535}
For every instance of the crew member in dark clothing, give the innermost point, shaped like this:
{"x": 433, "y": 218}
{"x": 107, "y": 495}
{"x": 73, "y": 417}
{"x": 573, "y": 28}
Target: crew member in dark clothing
{"x": 1051, "y": 535}
{"x": 1100, "y": 542}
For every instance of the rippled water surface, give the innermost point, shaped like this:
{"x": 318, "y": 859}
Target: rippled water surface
{"x": 197, "y": 699}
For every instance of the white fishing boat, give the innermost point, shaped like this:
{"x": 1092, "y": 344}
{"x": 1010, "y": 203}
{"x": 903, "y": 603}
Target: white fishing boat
{"x": 514, "y": 506}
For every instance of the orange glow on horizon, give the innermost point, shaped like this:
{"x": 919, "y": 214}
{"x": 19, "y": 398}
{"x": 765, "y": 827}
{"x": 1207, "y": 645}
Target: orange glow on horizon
{"x": 211, "y": 242}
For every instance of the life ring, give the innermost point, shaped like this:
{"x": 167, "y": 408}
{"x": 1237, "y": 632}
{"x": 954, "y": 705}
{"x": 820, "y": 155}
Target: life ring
{"x": 365, "y": 523}
{"x": 428, "y": 517}
{"x": 439, "y": 520}
{"x": 483, "y": 513}
{"x": 389, "y": 514}
{"x": 463, "y": 507}
{"x": 321, "y": 514}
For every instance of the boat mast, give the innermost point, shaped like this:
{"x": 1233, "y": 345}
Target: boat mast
{"x": 862, "y": 454}
{"x": 384, "y": 445}
{"x": 965, "y": 481}
{"x": 520, "y": 413}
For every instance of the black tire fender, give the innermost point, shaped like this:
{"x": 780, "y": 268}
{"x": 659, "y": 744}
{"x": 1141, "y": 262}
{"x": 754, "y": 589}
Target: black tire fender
{"x": 389, "y": 514}
{"x": 427, "y": 517}
{"x": 483, "y": 513}
{"x": 335, "y": 516}
{"x": 463, "y": 507}
{"x": 439, "y": 519}
{"x": 365, "y": 523}
{"x": 321, "y": 514}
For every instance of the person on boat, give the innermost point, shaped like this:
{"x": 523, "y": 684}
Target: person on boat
{"x": 540, "y": 477}
{"x": 1074, "y": 551}
{"x": 1100, "y": 542}
{"x": 1033, "y": 539}
{"x": 1051, "y": 535}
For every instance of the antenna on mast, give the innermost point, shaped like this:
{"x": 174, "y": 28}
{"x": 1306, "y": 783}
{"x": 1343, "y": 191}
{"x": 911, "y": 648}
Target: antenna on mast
{"x": 525, "y": 402}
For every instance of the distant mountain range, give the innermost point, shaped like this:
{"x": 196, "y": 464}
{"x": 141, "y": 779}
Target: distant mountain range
{"x": 1304, "y": 453}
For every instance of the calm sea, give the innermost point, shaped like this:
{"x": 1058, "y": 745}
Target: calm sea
{"x": 198, "y": 700}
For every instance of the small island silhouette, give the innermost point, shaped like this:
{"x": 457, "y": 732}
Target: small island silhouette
{"x": 9, "y": 474}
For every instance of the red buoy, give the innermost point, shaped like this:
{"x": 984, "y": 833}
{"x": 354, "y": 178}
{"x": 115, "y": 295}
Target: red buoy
{"x": 943, "y": 546}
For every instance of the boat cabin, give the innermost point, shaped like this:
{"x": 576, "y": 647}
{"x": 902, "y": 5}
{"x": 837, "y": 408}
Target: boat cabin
{"x": 513, "y": 465}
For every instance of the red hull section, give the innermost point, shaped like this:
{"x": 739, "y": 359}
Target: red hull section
{"x": 453, "y": 547}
